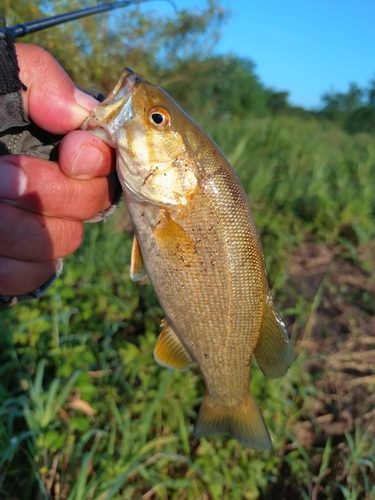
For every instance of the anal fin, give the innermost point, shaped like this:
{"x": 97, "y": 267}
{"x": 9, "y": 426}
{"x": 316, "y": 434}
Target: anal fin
{"x": 273, "y": 352}
{"x": 137, "y": 267}
{"x": 169, "y": 351}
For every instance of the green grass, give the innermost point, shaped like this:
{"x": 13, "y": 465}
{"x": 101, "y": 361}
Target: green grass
{"x": 85, "y": 413}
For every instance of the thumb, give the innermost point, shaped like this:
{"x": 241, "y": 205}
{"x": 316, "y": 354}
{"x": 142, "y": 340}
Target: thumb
{"x": 51, "y": 100}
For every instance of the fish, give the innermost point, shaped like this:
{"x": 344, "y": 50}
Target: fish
{"x": 195, "y": 238}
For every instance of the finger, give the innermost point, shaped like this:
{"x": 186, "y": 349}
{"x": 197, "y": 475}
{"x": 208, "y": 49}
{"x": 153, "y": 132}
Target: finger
{"x": 50, "y": 192}
{"x": 32, "y": 237}
{"x": 52, "y": 100}
{"x": 20, "y": 278}
{"x": 83, "y": 156}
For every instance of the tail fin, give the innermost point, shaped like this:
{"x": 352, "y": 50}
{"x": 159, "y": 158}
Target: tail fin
{"x": 243, "y": 422}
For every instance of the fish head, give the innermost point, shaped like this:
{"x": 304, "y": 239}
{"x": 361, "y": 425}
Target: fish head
{"x": 155, "y": 160}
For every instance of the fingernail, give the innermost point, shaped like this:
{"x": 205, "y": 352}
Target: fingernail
{"x": 13, "y": 181}
{"x": 87, "y": 162}
{"x": 86, "y": 101}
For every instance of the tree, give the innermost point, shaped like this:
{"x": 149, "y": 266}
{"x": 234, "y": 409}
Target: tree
{"x": 354, "y": 110}
{"x": 277, "y": 101}
{"x": 93, "y": 50}
{"x": 371, "y": 93}
{"x": 219, "y": 87}
{"x": 361, "y": 120}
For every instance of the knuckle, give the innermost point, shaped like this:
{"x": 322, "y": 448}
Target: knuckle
{"x": 67, "y": 237}
{"x": 73, "y": 235}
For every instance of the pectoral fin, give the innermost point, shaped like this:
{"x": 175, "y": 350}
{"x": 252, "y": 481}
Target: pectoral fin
{"x": 273, "y": 351}
{"x": 137, "y": 268}
{"x": 169, "y": 351}
{"x": 174, "y": 241}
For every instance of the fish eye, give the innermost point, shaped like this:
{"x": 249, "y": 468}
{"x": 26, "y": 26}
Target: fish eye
{"x": 159, "y": 117}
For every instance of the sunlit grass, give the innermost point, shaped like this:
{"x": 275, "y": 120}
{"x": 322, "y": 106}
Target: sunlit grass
{"x": 85, "y": 413}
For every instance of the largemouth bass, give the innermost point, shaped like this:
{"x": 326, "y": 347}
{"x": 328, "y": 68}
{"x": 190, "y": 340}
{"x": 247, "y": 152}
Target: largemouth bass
{"x": 196, "y": 238}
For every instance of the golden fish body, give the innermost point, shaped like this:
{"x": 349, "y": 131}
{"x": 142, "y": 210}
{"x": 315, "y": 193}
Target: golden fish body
{"x": 196, "y": 237}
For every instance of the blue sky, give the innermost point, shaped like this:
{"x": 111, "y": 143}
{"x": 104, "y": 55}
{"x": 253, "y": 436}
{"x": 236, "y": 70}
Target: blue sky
{"x": 304, "y": 46}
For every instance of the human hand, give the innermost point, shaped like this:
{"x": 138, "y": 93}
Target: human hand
{"x": 42, "y": 203}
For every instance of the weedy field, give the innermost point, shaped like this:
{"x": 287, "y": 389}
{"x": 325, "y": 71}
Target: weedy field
{"x": 86, "y": 414}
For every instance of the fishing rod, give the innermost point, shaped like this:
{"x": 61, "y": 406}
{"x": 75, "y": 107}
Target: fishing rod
{"x": 24, "y": 29}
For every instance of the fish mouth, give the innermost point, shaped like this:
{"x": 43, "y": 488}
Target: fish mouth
{"x": 116, "y": 109}
{"x": 124, "y": 87}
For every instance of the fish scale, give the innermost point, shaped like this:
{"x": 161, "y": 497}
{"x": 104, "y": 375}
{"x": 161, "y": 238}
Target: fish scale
{"x": 195, "y": 236}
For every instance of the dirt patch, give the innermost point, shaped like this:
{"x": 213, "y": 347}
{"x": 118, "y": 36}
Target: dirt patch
{"x": 337, "y": 331}
{"x": 339, "y": 334}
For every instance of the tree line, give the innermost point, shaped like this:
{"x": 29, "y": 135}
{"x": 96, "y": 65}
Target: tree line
{"x": 353, "y": 110}
{"x": 178, "y": 53}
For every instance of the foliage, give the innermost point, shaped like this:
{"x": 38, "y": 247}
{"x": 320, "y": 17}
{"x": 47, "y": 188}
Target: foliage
{"x": 176, "y": 52}
{"x": 93, "y": 49}
{"x": 219, "y": 88}
{"x": 354, "y": 110}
